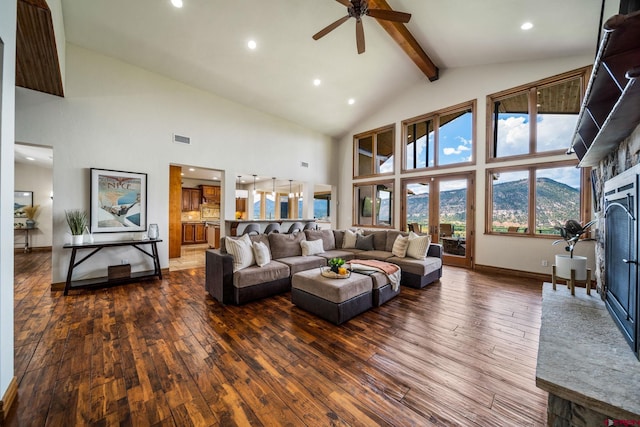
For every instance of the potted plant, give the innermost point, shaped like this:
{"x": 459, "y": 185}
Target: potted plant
{"x": 571, "y": 233}
{"x": 77, "y": 221}
{"x": 30, "y": 212}
{"x": 335, "y": 264}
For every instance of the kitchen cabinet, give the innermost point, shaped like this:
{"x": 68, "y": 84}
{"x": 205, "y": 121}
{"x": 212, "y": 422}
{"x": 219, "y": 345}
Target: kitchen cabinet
{"x": 211, "y": 194}
{"x": 191, "y": 198}
{"x": 193, "y": 233}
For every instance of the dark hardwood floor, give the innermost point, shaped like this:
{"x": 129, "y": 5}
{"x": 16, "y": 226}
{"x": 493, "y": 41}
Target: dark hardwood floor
{"x": 459, "y": 352}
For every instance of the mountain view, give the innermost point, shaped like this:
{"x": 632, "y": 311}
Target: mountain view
{"x": 555, "y": 203}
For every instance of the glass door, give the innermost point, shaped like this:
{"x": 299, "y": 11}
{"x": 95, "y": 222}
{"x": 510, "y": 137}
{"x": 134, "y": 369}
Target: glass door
{"x": 441, "y": 207}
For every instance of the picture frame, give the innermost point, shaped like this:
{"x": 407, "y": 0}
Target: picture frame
{"x": 118, "y": 201}
{"x": 21, "y": 199}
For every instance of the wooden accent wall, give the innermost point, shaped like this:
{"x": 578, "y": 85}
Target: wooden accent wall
{"x": 175, "y": 211}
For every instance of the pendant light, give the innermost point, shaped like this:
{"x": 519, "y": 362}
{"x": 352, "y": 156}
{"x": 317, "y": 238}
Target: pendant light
{"x": 290, "y": 192}
{"x": 254, "y": 186}
{"x": 273, "y": 191}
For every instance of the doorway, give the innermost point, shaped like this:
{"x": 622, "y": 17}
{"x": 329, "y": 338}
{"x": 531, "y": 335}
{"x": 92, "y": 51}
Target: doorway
{"x": 442, "y": 207}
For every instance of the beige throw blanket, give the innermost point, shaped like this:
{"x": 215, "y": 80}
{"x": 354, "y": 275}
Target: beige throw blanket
{"x": 392, "y": 271}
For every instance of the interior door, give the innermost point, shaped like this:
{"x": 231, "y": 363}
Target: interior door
{"x": 441, "y": 206}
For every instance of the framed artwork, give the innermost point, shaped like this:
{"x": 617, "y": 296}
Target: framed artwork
{"x": 118, "y": 201}
{"x": 21, "y": 199}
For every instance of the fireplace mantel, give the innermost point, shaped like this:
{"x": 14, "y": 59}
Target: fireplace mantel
{"x": 584, "y": 359}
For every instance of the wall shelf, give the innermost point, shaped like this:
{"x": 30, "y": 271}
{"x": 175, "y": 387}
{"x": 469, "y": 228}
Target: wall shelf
{"x": 611, "y": 107}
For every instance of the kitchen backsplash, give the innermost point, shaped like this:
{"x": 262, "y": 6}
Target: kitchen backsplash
{"x": 191, "y": 216}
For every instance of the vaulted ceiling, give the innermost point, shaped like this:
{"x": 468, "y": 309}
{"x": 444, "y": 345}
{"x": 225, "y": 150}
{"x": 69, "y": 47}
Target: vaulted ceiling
{"x": 204, "y": 44}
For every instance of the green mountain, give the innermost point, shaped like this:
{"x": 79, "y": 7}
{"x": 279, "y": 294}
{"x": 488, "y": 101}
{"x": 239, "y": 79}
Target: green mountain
{"x": 555, "y": 202}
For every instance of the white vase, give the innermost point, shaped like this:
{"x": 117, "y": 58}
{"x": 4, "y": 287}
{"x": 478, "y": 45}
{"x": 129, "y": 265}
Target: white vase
{"x": 564, "y": 265}
{"x": 77, "y": 239}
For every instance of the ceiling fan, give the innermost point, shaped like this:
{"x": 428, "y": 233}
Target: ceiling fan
{"x": 357, "y": 9}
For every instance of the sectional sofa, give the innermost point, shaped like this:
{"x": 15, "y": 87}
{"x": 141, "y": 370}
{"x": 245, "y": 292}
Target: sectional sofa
{"x": 232, "y": 278}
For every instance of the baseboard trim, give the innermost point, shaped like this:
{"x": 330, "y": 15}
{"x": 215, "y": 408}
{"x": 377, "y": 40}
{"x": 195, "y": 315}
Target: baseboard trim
{"x": 33, "y": 249}
{"x": 489, "y": 269}
{"x": 8, "y": 399}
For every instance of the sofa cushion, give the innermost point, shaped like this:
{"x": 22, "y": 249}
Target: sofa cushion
{"x": 242, "y": 251}
{"x": 255, "y": 275}
{"x": 418, "y": 246}
{"x": 327, "y": 237}
{"x": 285, "y": 245}
{"x": 379, "y": 239}
{"x": 364, "y": 242}
{"x": 379, "y": 255}
{"x": 339, "y": 238}
{"x": 311, "y": 247}
{"x": 391, "y": 238}
{"x": 261, "y": 253}
{"x": 421, "y": 267}
{"x": 334, "y": 290}
{"x": 339, "y": 253}
{"x": 300, "y": 263}
{"x": 399, "y": 248}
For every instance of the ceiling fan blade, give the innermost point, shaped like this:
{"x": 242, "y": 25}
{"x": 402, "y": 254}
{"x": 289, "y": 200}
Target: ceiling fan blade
{"x": 359, "y": 36}
{"x": 347, "y": 3}
{"x": 389, "y": 15}
{"x": 326, "y": 30}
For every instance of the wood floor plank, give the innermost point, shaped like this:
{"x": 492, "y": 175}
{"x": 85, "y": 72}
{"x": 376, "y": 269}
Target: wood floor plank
{"x": 460, "y": 352}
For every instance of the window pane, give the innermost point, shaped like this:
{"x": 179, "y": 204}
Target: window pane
{"x": 270, "y": 208}
{"x": 321, "y": 203}
{"x": 284, "y": 206}
{"x": 364, "y": 206}
{"x": 557, "y": 198}
{"x": 385, "y": 202}
{"x": 455, "y": 140}
{"x": 512, "y": 127}
{"x": 365, "y": 156}
{"x": 453, "y": 207}
{"x": 558, "y": 108}
{"x": 384, "y": 152}
{"x": 510, "y": 201}
{"x": 417, "y": 205}
{"x": 420, "y": 147}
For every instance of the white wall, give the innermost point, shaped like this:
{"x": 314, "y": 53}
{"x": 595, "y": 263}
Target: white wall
{"x": 7, "y": 111}
{"x": 116, "y": 116}
{"x": 39, "y": 180}
{"x": 456, "y": 86}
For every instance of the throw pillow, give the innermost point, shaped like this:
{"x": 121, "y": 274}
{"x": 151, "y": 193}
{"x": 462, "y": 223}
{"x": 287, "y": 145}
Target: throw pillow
{"x": 242, "y": 251}
{"x": 418, "y": 246}
{"x": 311, "y": 247}
{"x": 364, "y": 242}
{"x": 261, "y": 253}
{"x": 349, "y": 241}
{"x": 400, "y": 246}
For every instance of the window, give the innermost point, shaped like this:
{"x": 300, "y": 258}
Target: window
{"x": 373, "y": 204}
{"x": 533, "y": 200}
{"x": 441, "y": 138}
{"x": 322, "y": 206}
{"x": 373, "y": 152}
{"x": 538, "y": 118}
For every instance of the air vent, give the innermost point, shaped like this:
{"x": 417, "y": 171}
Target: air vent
{"x": 304, "y": 164}
{"x": 181, "y": 139}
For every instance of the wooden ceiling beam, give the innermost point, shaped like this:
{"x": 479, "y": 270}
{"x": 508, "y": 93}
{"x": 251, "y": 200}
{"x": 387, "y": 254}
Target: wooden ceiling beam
{"x": 407, "y": 42}
{"x": 37, "y": 63}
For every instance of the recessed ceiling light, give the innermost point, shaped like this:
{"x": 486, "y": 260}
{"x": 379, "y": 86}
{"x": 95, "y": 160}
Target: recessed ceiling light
{"x": 252, "y": 44}
{"x": 316, "y": 82}
{"x": 526, "y": 26}
{"x": 177, "y": 3}
{"x": 192, "y": 170}
{"x": 30, "y": 158}
{"x": 215, "y": 178}
{"x": 181, "y": 173}
{"x": 351, "y": 101}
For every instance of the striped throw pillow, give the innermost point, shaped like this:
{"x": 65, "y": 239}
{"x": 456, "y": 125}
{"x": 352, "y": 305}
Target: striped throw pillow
{"x": 399, "y": 248}
{"x": 242, "y": 251}
{"x": 418, "y": 246}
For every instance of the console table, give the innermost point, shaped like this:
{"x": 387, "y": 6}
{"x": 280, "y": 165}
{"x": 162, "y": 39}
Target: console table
{"x": 26, "y": 230}
{"x": 97, "y": 246}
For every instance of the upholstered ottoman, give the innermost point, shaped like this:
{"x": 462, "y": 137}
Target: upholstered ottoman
{"x": 335, "y": 300}
{"x": 382, "y": 289}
